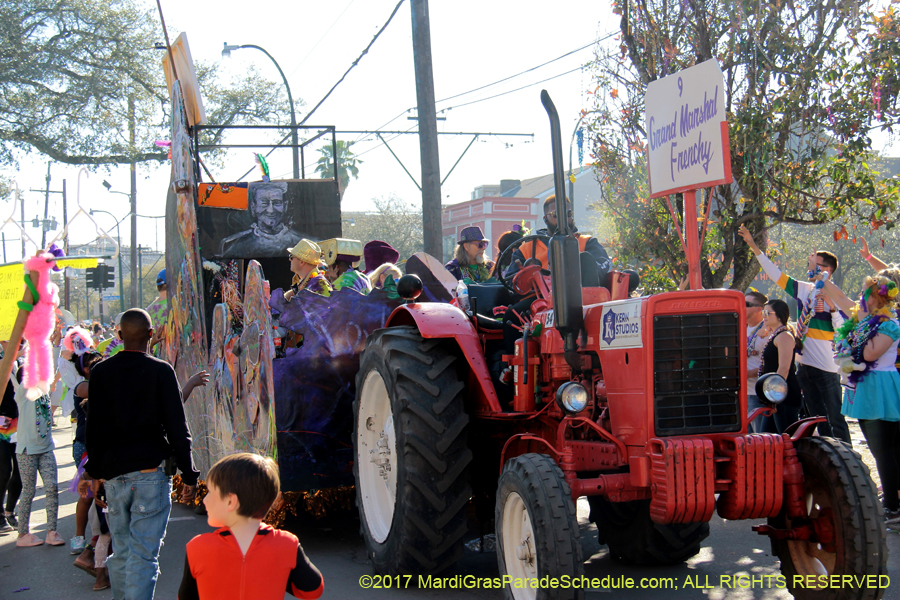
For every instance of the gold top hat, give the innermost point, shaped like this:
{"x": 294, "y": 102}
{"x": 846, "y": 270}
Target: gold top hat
{"x": 347, "y": 249}
{"x": 308, "y": 251}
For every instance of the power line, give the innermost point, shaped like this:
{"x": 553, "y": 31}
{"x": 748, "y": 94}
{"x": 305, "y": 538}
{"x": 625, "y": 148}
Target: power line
{"x": 511, "y": 91}
{"x": 597, "y": 41}
{"x": 355, "y": 62}
{"x": 386, "y": 124}
{"x": 579, "y": 49}
{"x": 308, "y": 54}
{"x": 381, "y": 143}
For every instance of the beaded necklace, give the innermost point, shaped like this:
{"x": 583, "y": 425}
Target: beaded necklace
{"x": 769, "y": 341}
{"x": 477, "y": 272}
{"x": 751, "y": 350}
{"x": 854, "y": 335}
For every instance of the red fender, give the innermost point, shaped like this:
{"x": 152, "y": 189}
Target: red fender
{"x": 439, "y": 320}
{"x": 803, "y": 428}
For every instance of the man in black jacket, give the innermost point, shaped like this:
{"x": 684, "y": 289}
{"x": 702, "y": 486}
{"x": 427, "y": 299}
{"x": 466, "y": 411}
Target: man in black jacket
{"x": 135, "y": 421}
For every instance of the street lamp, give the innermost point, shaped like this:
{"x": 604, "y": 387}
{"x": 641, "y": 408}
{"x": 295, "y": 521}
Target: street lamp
{"x": 226, "y": 53}
{"x": 118, "y": 237}
{"x": 109, "y": 189}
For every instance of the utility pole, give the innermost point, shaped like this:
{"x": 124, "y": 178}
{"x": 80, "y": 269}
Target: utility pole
{"x": 428, "y": 140}
{"x": 134, "y": 251}
{"x": 140, "y": 277}
{"x": 65, "y": 245}
{"x": 46, "y": 209}
{"x": 22, "y": 202}
{"x": 45, "y": 224}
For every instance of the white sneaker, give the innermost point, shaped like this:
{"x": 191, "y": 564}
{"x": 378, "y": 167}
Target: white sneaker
{"x": 76, "y": 545}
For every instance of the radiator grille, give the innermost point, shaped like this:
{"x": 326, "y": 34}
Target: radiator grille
{"x": 697, "y": 375}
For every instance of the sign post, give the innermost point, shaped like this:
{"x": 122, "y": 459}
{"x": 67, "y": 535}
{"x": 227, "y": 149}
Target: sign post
{"x": 688, "y": 144}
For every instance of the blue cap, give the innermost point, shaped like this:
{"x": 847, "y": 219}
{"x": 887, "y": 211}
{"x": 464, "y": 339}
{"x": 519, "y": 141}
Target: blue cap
{"x": 161, "y": 278}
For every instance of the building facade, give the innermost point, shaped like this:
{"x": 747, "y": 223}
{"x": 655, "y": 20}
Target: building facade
{"x": 492, "y": 211}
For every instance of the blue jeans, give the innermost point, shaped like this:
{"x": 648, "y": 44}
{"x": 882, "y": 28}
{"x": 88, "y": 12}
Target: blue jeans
{"x": 783, "y": 418}
{"x": 139, "y": 506}
{"x": 822, "y": 397}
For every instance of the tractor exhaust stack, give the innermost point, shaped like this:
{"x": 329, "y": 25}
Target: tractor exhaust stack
{"x": 565, "y": 264}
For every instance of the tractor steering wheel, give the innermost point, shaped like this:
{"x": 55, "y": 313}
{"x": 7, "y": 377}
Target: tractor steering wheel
{"x": 507, "y": 281}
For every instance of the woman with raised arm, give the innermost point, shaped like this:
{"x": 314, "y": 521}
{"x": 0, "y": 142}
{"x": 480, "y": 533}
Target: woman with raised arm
{"x": 874, "y": 262}
{"x": 866, "y": 348}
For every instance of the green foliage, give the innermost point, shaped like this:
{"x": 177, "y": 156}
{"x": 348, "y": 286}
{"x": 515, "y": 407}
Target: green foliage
{"x": 395, "y": 221}
{"x": 69, "y": 67}
{"x": 346, "y": 160}
{"x": 802, "y": 81}
{"x": 791, "y": 244}
{"x": 6, "y": 189}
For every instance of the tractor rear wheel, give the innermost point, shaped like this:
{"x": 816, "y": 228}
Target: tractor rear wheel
{"x": 634, "y": 538}
{"x": 835, "y": 480}
{"x": 537, "y": 528}
{"x": 412, "y": 455}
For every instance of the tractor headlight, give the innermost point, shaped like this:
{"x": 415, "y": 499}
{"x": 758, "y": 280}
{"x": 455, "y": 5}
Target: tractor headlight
{"x": 572, "y": 397}
{"x": 772, "y": 388}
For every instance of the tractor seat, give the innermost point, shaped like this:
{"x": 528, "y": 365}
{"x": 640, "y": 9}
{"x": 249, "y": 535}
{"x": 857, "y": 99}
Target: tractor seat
{"x": 488, "y": 296}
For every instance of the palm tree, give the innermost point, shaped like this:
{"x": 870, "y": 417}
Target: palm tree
{"x": 347, "y": 164}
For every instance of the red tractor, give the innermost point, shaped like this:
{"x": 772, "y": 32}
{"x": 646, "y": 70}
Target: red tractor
{"x": 637, "y": 403}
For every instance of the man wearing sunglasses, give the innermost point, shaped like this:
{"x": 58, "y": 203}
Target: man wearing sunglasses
{"x": 537, "y": 249}
{"x": 470, "y": 262}
{"x": 756, "y": 343}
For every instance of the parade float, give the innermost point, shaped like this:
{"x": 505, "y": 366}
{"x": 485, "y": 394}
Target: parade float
{"x": 287, "y": 395}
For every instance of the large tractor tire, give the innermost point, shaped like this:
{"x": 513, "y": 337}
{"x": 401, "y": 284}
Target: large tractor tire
{"x": 412, "y": 455}
{"x": 537, "y": 528}
{"x": 633, "y": 538}
{"x": 835, "y": 479}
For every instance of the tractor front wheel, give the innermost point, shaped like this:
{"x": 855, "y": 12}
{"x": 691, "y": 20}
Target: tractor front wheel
{"x": 837, "y": 483}
{"x": 412, "y": 455}
{"x": 537, "y": 528}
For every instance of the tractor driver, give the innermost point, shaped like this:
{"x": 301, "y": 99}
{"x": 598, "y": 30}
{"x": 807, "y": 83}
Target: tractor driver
{"x": 537, "y": 249}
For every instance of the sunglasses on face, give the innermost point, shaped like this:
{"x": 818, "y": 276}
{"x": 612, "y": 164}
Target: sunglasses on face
{"x": 751, "y": 305}
{"x": 481, "y": 245}
{"x": 552, "y": 213}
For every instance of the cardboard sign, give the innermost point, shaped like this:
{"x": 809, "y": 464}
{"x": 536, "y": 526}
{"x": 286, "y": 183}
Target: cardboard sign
{"x": 12, "y": 286}
{"x": 687, "y": 130}
{"x": 187, "y": 75}
{"x": 620, "y": 325}
{"x": 223, "y": 195}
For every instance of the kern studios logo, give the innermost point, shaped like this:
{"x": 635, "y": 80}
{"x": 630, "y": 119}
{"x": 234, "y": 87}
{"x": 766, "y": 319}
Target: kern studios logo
{"x": 609, "y": 327}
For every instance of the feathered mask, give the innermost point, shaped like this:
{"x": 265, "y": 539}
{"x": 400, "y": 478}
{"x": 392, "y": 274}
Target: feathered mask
{"x": 78, "y": 341}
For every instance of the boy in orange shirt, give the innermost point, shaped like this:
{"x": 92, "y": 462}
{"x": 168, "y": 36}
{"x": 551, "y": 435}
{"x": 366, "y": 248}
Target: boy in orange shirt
{"x": 245, "y": 558}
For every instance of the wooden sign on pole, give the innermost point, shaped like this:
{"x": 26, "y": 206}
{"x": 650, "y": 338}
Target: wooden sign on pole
{"x": 688, "y": 147}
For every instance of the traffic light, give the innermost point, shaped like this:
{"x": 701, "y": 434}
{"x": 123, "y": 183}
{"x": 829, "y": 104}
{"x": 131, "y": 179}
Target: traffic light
{"x": 92, "y": 277}
{"x": 109, "y": 276}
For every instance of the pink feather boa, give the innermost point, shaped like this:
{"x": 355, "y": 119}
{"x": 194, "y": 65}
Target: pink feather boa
{"x": 41, "y": 320}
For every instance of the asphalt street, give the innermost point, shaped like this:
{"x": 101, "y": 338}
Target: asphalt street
{"x": 334, "y": 545}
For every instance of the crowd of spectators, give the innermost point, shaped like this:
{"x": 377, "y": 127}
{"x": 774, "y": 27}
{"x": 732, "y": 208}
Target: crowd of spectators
{"x": 845, "y": 353}
{"x": 838, "y": 358}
